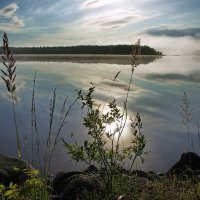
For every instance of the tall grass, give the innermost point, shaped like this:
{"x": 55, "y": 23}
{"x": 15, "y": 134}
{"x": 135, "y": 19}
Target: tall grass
{"x": 8, "y": 76}
{"x": 186, "y": 114}
{"x": 53, "y": 136}
{"x": 35, "y": 143}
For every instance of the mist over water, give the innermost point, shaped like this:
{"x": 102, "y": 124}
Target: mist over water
{"x": 156, "y": 91}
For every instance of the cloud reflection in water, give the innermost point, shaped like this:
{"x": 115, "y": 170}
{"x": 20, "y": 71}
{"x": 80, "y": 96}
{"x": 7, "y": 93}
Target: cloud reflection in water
{"x": 155, "y": 93}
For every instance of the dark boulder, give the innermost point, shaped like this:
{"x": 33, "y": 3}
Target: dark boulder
{"x": 152, "y": 175}
{"x": 72, "y": 185}
{"x": 125, "y": 171}
{"x": 188, "y": 162}
{"x": 78, "y": 184}
{"x": 91, "y": 170}
{"x": 162, "y": 174}
{"x": 139, "y": 173}
{"x": 60, "y": 181}
{"x": 13, "y": 170}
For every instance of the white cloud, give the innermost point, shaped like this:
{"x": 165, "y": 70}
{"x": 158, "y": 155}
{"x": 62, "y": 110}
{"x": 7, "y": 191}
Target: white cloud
{"x": 171, "y": 39}
{"x": 170, "y": 45}
{"x": 60, "y": 8}
{"x": 94, "y": 3}
{"x": 15, "y": 23}
{"x": 111, "y": 19}
{"x": 38, "y": 11}
{"x": 9, "y": 10}
{"x": 8, "y": 96}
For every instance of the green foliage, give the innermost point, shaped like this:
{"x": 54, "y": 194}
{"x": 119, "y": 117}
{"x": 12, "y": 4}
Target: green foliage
{"x": 170, "y": 189}
{"x": 126, "y": 187}
{"x": 34, "y": 188}
{"x": 11, "y": 192}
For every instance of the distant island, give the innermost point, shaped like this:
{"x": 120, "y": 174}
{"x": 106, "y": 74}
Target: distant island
{"x": 84, "y": 49}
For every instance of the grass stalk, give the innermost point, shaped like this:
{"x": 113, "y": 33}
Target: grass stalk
{"x": 34, "y": 129}
{"x": 64, "y": 113}
{"x": 50, "y": 134}
{"x": 134, "y": 58}
{"x": 8, "y": 77}
{"x": 16, "y": 128}
{"x": 186, "y": 114}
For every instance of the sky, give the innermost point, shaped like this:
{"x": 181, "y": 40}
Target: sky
{"x": 171, "y": 26}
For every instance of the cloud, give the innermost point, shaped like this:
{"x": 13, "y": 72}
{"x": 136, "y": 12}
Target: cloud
{"x": 16, "y": 21}
{"x": 193, "y": 32}
{"x": 94, "y": 4}
{"x": 90, "y": 3}
{"x": 117, "y": 84}
{"x": 8, "y": 96}
{"x": 193, "y": 77}
{"x": 39, "y": 11}
{"x": 9, "y": 13}
{"x": 111, "y": 19}
{"x": 61, "y": 8}
{"x": 9, "y": 10}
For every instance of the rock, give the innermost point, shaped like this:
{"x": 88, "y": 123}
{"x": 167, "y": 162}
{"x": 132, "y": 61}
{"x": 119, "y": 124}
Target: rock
{"x": 162, "y": 174}
{"x": 79, "y": 183}
{"x": 54, "y": 197}
{"x": 139, "y": 173}
{"x": 59, "y": 182}
{"x": 188, "y": 162}
{"x": 152, "y": 175}
{"x": 13, "y": 170}
{"x": 70, "y": 185}
{"x": 125, "y": 171}
{"x": 91, "y": 170}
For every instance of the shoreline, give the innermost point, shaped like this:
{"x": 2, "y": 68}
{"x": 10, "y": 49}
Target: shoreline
{"x": 84, "y": 58}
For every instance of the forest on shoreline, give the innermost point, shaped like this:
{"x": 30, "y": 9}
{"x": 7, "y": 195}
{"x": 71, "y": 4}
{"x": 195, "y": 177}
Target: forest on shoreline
{"x": 84, "y": 49}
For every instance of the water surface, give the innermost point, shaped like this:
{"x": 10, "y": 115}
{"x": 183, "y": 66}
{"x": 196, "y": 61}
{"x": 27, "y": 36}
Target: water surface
{"x": 156, "y": 91}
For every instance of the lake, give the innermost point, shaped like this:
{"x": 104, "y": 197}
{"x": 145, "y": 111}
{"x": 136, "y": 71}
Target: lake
{"x": 156, "y": 91}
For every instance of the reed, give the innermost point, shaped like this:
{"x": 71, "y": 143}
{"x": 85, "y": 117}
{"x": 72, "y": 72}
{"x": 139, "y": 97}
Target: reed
{"x": 186, "y": 114}
{"x": 54, "y": 134}
{"x": 8, "y": 76}
{"x": 35, "y": 152}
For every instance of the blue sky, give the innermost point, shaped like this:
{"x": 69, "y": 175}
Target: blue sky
{"x": 171, "y": 26}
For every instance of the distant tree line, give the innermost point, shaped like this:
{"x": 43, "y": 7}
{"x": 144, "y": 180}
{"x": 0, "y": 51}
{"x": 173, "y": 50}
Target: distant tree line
{"x": 84, "y": 49}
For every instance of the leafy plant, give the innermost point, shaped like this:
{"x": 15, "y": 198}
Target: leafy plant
{"x": 104, "y": 146}
{"x": 34, "y": 188}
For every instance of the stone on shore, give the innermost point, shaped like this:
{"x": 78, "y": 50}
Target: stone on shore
{"x": 13, "y": 170}
{"x": 189, "y": 162}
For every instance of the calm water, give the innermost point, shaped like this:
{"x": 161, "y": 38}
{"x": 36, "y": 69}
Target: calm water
{"x": 156, "y": 92}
